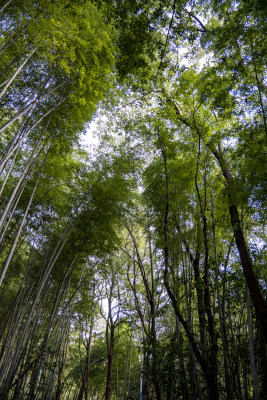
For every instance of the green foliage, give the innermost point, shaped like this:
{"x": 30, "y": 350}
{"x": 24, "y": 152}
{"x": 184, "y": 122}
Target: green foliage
{"x": 153, "y": 190}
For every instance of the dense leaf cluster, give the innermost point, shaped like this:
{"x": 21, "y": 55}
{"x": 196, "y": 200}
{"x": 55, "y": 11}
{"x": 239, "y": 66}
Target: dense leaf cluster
{"x": 140, "y": 267}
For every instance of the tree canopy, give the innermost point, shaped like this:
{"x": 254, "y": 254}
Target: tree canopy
{"x": 136, "y": 268}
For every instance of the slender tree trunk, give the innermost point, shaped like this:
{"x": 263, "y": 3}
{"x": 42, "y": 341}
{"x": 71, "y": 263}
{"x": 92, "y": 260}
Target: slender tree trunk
{"x": 19, "y": 353}
{"x": 5, "y": 5}
{"x": 258, "y": 300}
{"x": 259, "y": 88}
{"x": 141, "y": 368}
{"x": 11, "y": 210}
{"x": 8, "y": 172}
{"x": 62, "y": 356}
{"x": 14, "y": 244}
{"x": 6, "y": 69}
{"x": 111, "y": 325}
{"x": 85, "y": 375}
{"x": 23, "y": 177}
{"x": 222, "y": 331}
{"x": 126, "y": 371}
{"x": 19, "y": 69}
{"x": 25, "y": 108}
{"x": 200, "y": 294}
{"x": 32, "y": 103}
{"x": 213, "y": 367}
{"x": 20, "y": 29}
{"x": 26, "y": 134}
{"x": 130, "y": 368}
{"x": 181, "y": 361}
{"x": 251, "y": 351}
{"x": 43, "y": 281}
{"x": 18, "y": 189}
{"x": 117, "y": 355}
{"x": 110, "y": 344}
{"x": 210, "y": 375}
{"x": 150, "y": 296}
{"x": 9, "y": 150}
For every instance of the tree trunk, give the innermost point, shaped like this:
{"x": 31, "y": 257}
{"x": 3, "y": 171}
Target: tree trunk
{"x": 150, "y": 296}
{"x": 14, "y": 244}
{"x": 85, "y": 374}
{"x": 8, "y": 172}
{"x": 5, "y": 5}
{"x": 109, "y": 367}
{"x": 258, "y": 300}
{"x": 210, "y": 375}
{"x": 251, "y": 351}
{"x": 19, "y": 69}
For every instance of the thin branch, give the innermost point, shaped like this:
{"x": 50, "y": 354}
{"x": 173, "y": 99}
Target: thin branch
{"x": 166, "y": 42}
{"x": 198, "y": 20}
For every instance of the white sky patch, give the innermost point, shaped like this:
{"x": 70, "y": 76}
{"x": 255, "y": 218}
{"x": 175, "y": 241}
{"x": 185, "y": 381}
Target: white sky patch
{"x": 230, "y": 142}
{"x": 104, "y": 305}
{"x": 90, "y": 138}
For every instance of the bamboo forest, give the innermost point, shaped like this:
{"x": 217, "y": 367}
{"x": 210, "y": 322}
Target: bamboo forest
{"x": 133, "y": 199}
